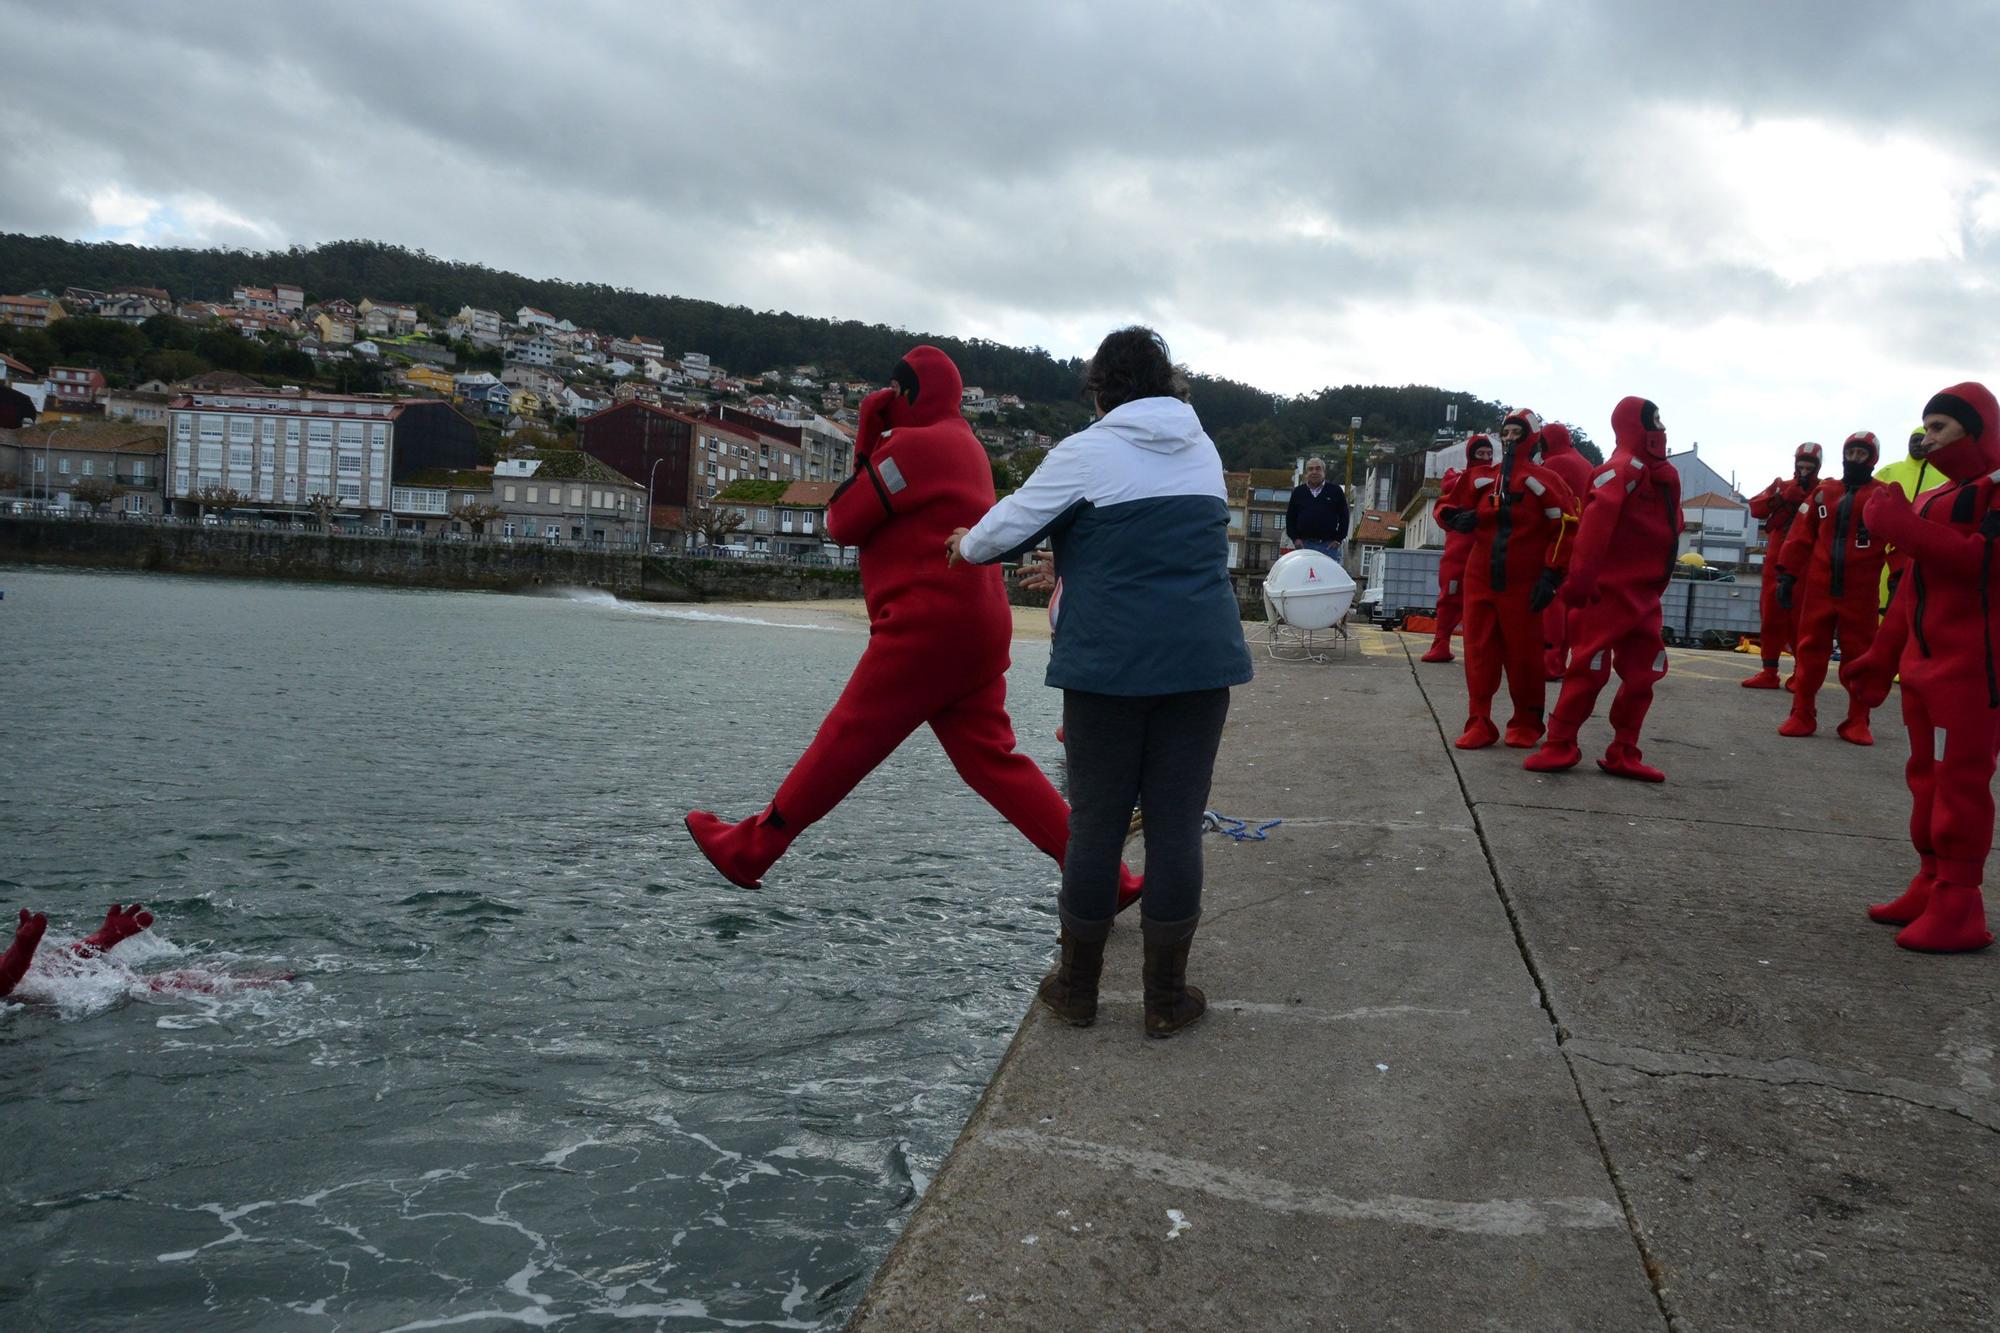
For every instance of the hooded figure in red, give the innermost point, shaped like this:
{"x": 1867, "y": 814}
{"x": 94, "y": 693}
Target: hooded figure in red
{"x": 1832, "y": 548}
{"x": 1941, "y": 636}
{"x": 1457, "y": 546}
{"x": 1777, "y": 505}
{"x": 1519, "y": 515}
{"x": 1625, "y": 549}
{"x": 937, "y": 636}
{"x": 1559, "y": 456}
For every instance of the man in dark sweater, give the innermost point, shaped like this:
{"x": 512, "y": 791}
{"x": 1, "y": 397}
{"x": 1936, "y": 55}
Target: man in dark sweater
{"x": 1316, "y": 519}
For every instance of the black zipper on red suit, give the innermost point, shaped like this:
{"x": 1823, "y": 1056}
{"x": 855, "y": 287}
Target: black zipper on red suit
{"x": 1843, "y": 513}
{"x": 1503, "y": 523}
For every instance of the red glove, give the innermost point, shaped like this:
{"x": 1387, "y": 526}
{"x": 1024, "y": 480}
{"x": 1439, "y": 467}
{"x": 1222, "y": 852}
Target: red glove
{"x": 1889, "y": 515}
{"x": 1867, "y": 681}
{"x": 1580, "y": 586}
{"x": 874, "y": 421}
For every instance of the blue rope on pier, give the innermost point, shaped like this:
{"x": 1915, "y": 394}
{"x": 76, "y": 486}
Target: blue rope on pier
{"x": 1239, "y": 829}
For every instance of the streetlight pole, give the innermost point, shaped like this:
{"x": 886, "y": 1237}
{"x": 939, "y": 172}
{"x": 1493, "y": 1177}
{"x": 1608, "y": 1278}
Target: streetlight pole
{"x": 649, "y": 504}
{"x": 48, "y": 466}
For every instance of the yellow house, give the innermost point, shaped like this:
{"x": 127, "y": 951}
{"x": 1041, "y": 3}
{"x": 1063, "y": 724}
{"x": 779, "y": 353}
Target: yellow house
{"x": 525, "y": 403}
{"x": 429, "y": 377}
{"x": 333, "y": 330}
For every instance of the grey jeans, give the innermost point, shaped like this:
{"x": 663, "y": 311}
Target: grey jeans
{"x": 1158, "y": 751}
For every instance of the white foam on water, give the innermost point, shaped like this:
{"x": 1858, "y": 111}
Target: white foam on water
{"x": 84, "y": 986}
{"x": 596, "y": 597}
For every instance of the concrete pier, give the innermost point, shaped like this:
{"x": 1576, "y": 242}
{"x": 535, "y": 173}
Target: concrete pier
{"x": 1497, "y": 1050}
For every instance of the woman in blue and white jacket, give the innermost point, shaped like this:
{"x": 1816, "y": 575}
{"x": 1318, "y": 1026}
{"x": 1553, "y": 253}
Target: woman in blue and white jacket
{"x": 1147, "y": 644}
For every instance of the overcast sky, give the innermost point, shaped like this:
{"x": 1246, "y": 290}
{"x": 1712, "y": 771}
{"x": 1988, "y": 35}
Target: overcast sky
{"x": 1779, "y": 219}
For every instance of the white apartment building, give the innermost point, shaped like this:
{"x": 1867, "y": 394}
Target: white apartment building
{"x": 279, "y": 450}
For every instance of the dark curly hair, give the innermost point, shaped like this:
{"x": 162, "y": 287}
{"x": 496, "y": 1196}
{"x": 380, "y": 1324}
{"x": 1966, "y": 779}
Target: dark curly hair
{"x": 1132, "y": 363}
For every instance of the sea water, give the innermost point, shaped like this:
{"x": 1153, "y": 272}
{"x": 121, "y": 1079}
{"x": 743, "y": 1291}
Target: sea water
{"x": 538, "y": 1064}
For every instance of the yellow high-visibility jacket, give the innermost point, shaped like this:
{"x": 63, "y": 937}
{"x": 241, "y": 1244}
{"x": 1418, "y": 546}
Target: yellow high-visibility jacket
{"x": 1916, "y": 477}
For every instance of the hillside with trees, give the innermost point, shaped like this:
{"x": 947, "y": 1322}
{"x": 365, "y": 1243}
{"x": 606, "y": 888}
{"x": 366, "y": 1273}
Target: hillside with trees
{"x": 1251, "y": 426}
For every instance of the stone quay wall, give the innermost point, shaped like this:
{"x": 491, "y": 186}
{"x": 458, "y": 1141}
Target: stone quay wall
{"x": 405, "y": 562}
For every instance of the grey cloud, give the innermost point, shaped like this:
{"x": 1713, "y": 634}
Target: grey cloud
{"x": 962, "y": 156}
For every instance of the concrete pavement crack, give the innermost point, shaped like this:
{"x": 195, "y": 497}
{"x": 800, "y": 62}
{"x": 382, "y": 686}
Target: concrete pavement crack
{"x": 1648, "y": 1261}
{"x": 1693, "y": 819}
{"x": 1789, "y": 1072}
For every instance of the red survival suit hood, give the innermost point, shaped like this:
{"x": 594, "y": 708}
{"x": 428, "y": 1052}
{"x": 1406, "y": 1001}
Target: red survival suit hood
{"x": 1973, "y": 407}
{"x": 928, "y": 389}
{"x": 1556, "y": 441}
{"x": 1635, "y": 424}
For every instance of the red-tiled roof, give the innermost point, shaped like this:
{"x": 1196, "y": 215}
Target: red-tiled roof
{"x": 1377, "y": 526}
{"x": 1709, "y": 500}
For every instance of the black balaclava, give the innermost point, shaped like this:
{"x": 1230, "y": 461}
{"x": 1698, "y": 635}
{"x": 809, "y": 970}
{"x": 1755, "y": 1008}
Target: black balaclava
{"x": 1856, "y": 475}
{"x": 1806, "y": 464}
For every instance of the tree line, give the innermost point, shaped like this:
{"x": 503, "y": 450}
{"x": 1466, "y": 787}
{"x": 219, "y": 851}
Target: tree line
{"x": 1252, "y": 427}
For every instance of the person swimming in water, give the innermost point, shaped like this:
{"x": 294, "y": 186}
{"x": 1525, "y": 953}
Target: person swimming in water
{"x": 121, "y": 923}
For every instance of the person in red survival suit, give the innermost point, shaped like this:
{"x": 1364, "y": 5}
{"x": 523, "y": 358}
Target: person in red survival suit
{"x": 1840, "y": 559}
{"x": 1457, "y": 545}
{"x": 1777, "y": 505}
{"x": 1625, "y": 549}
{"x": 121, "y": 923}
{"x": 1519, "y": 515}
{"x": 1558, "y": 454}
{"x": 1940, "y": 635}
{"x": 937, "y": 636}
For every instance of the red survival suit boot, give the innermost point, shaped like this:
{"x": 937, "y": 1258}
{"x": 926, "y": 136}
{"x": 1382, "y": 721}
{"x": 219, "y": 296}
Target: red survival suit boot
{"x": 1803, "y": 720}
{"x": 1622, "y": 760}
{"x": 20, "y": 954}
{"x": 1855, "y": 729}
{"x": 1439, "y": 651}
{"x": 1767, "y": 679}
{"x": 1955, "y": 919}
{"x": 1524, "y": 731}
{"x": 1558, "y": 749}
{"x": 742, "y": 851}
{"x": 1907, "y": 908}
{"x": 1478, "y": 734}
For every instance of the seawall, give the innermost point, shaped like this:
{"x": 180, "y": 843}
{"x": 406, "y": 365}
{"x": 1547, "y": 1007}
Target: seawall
{"x": 477, "y": 566}
{"x": 176, "y": 548}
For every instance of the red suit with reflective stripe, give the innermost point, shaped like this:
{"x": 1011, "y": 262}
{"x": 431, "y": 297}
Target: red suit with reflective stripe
{"x": 1942, "y": 637}
{"x": 1837, "y": 563}
{"x": 1559, "y": 456}
{"x": 1522, "y": 518}
{"x": 1625, "y": 549}
{"x": 1776, "y": 506}
{"x": 1451, "y": 572}
{"x": 937, "y": 636}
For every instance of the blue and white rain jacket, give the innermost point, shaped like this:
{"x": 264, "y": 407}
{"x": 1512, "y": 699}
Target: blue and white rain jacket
{"x": 1139, "y": 518}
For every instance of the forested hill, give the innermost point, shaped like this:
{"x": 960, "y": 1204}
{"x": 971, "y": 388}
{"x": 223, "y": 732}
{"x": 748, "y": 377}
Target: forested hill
{"x": 1252, "y": 427}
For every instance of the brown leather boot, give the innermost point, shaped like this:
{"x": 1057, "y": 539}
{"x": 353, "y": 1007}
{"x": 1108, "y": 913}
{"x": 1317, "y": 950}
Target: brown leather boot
{"x": 1171, "y": 1004}
{"x": 1071, "y": 987}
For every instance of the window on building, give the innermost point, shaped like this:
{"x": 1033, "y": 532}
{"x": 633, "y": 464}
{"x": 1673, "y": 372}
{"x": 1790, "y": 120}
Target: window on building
{"x": 270, "y": 430}
{"x": 348, "y": 490}
{"x": 763, "y": 518}
{"x": 242, "y": 428}
{"x": 350, "y": 463}
{"x": 268, "y": 456}
{"x": 291, "y": 488}
{"x": 576, "y": 496}
{"x": 90, "y": 467}
{"x": 291, "y": 432}
{"x": 534, "y": 495}
{"x": 507, "y": 493}
{"x": 62, "y": 466}
{"x": 135, "y": 504}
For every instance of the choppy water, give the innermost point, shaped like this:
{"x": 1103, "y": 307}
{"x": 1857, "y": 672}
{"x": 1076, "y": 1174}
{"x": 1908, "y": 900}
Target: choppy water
{"x": 540, "y": 1065}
